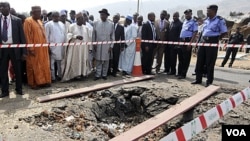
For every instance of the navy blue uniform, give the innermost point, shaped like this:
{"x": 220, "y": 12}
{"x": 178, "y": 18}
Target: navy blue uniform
{"x": 236, "y": 38}
{"x": 211, "y": 32}
{"x": 189, "y": 27}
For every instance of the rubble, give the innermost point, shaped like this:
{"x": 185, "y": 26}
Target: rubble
{"x": 104, "y": 112}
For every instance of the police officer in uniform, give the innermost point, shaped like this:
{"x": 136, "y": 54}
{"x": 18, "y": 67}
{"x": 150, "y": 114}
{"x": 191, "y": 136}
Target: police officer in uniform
{"x": 236, "y": 38}
{"x": 214, "y": 29}
{"x": 188, "y": 34}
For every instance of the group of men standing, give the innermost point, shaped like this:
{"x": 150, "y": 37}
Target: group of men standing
{"x": 46, "y": 64}
{"x": 212, "y": 30}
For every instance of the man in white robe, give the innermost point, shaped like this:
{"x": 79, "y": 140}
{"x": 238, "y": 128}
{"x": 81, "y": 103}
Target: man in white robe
{"x": 127, "y": 56}
{"x": 90, "y": 27}
{"x": 103, "y": 31}
{"x": 76, "y": 56}
{"x": 63, "y": 19}
{"x": 55, "y": 33}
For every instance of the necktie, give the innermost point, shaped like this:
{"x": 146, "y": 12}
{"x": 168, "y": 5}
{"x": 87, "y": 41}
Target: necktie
{"x": 5, "y": 30}
{"x": 153, "y": 30}
{"x": 161, "y": 26}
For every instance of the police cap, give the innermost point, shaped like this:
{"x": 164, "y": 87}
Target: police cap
{"x": 213, "y": 7}
{"x": 187, "y": 11}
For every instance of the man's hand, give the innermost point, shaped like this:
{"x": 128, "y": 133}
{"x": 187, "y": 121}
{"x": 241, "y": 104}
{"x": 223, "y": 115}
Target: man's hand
{"x": 146, "y": 49}
{"x": 79, "y": 37}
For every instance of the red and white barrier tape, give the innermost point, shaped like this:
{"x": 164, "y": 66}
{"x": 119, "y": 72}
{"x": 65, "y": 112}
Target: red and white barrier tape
{"x": 124, "y": 41}
{"x": 189, "y": 130}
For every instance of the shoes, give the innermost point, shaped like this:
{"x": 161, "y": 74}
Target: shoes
{"x": 58, "y": 78}
{"x": 46, "y": 85}
{"x": 196, "y": 82}
{"x": 230, "y": 66}
{"x": 104, "y": 77}
{"x": 35, "y": 87}
{"x": 157, "y": 71}
{"x": 124, "y": 73}
{"x": 19, "y": 92}
{"x": 96, "y": 78}
{"x": 181, "y": 77}
{"x": 4, "y": 94}
{"x": 171, "y": 73}
{"x": 207, "y": 84}
{"x": 114, "y": 75}
{"x": 151, "y": 73}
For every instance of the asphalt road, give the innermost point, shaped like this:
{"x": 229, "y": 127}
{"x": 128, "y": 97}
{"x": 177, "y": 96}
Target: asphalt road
{"x": 226, "y": 76}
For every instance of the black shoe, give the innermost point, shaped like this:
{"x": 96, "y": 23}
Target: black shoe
{"x": 104, "y": 77}
{"x": 230, "y": 66}
{"x": 171, "y": 73}
{"x": 181, "y": 77}
{"x": 114, "y": 75}
{"x": 19, "y": 92}
{"x": 58, "y": 78}
{"x": 124, "y": 73}
{"x": 96, "y": 78}
{"x": 150, "y": 73}
{"x": 207, "y": 84}
{"x": 4, "y": 94}
{"x": 157, "y": 71}
{"x": 196, "y": 82}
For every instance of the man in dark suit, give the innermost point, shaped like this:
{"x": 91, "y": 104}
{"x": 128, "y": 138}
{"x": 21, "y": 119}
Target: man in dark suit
{"x": 119, "y": 36}
{"x": 11, "y": 33}
{"x": 148, "y": 33}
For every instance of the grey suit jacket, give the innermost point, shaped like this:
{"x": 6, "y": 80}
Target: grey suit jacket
{"x": 18, "y": 36}
{"x": 161, "y": 34}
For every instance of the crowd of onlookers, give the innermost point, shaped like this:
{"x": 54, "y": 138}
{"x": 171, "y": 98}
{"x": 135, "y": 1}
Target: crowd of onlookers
{"x": 41, "y": 66}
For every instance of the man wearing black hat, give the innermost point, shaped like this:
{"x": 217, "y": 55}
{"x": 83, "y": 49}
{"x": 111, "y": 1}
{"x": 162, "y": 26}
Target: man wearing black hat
{"x": 188, "y": 34}
{"x": 214, "y": 29}
{"x": 103, "y": 31}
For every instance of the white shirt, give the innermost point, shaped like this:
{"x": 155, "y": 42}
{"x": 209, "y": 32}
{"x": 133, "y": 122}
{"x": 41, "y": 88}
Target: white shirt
{"x": 9, "y": 41}
{"x": 153, "y": 29}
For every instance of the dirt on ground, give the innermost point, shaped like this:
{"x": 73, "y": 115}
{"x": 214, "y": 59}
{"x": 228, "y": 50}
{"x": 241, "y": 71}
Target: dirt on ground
{"x": 102, "y": 115}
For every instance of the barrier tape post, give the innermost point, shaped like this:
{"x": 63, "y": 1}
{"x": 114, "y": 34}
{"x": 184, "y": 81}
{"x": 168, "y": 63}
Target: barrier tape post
{"x": 192, "y": 128}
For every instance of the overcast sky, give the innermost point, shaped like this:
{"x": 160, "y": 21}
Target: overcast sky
{"x": 25, "y": 5}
